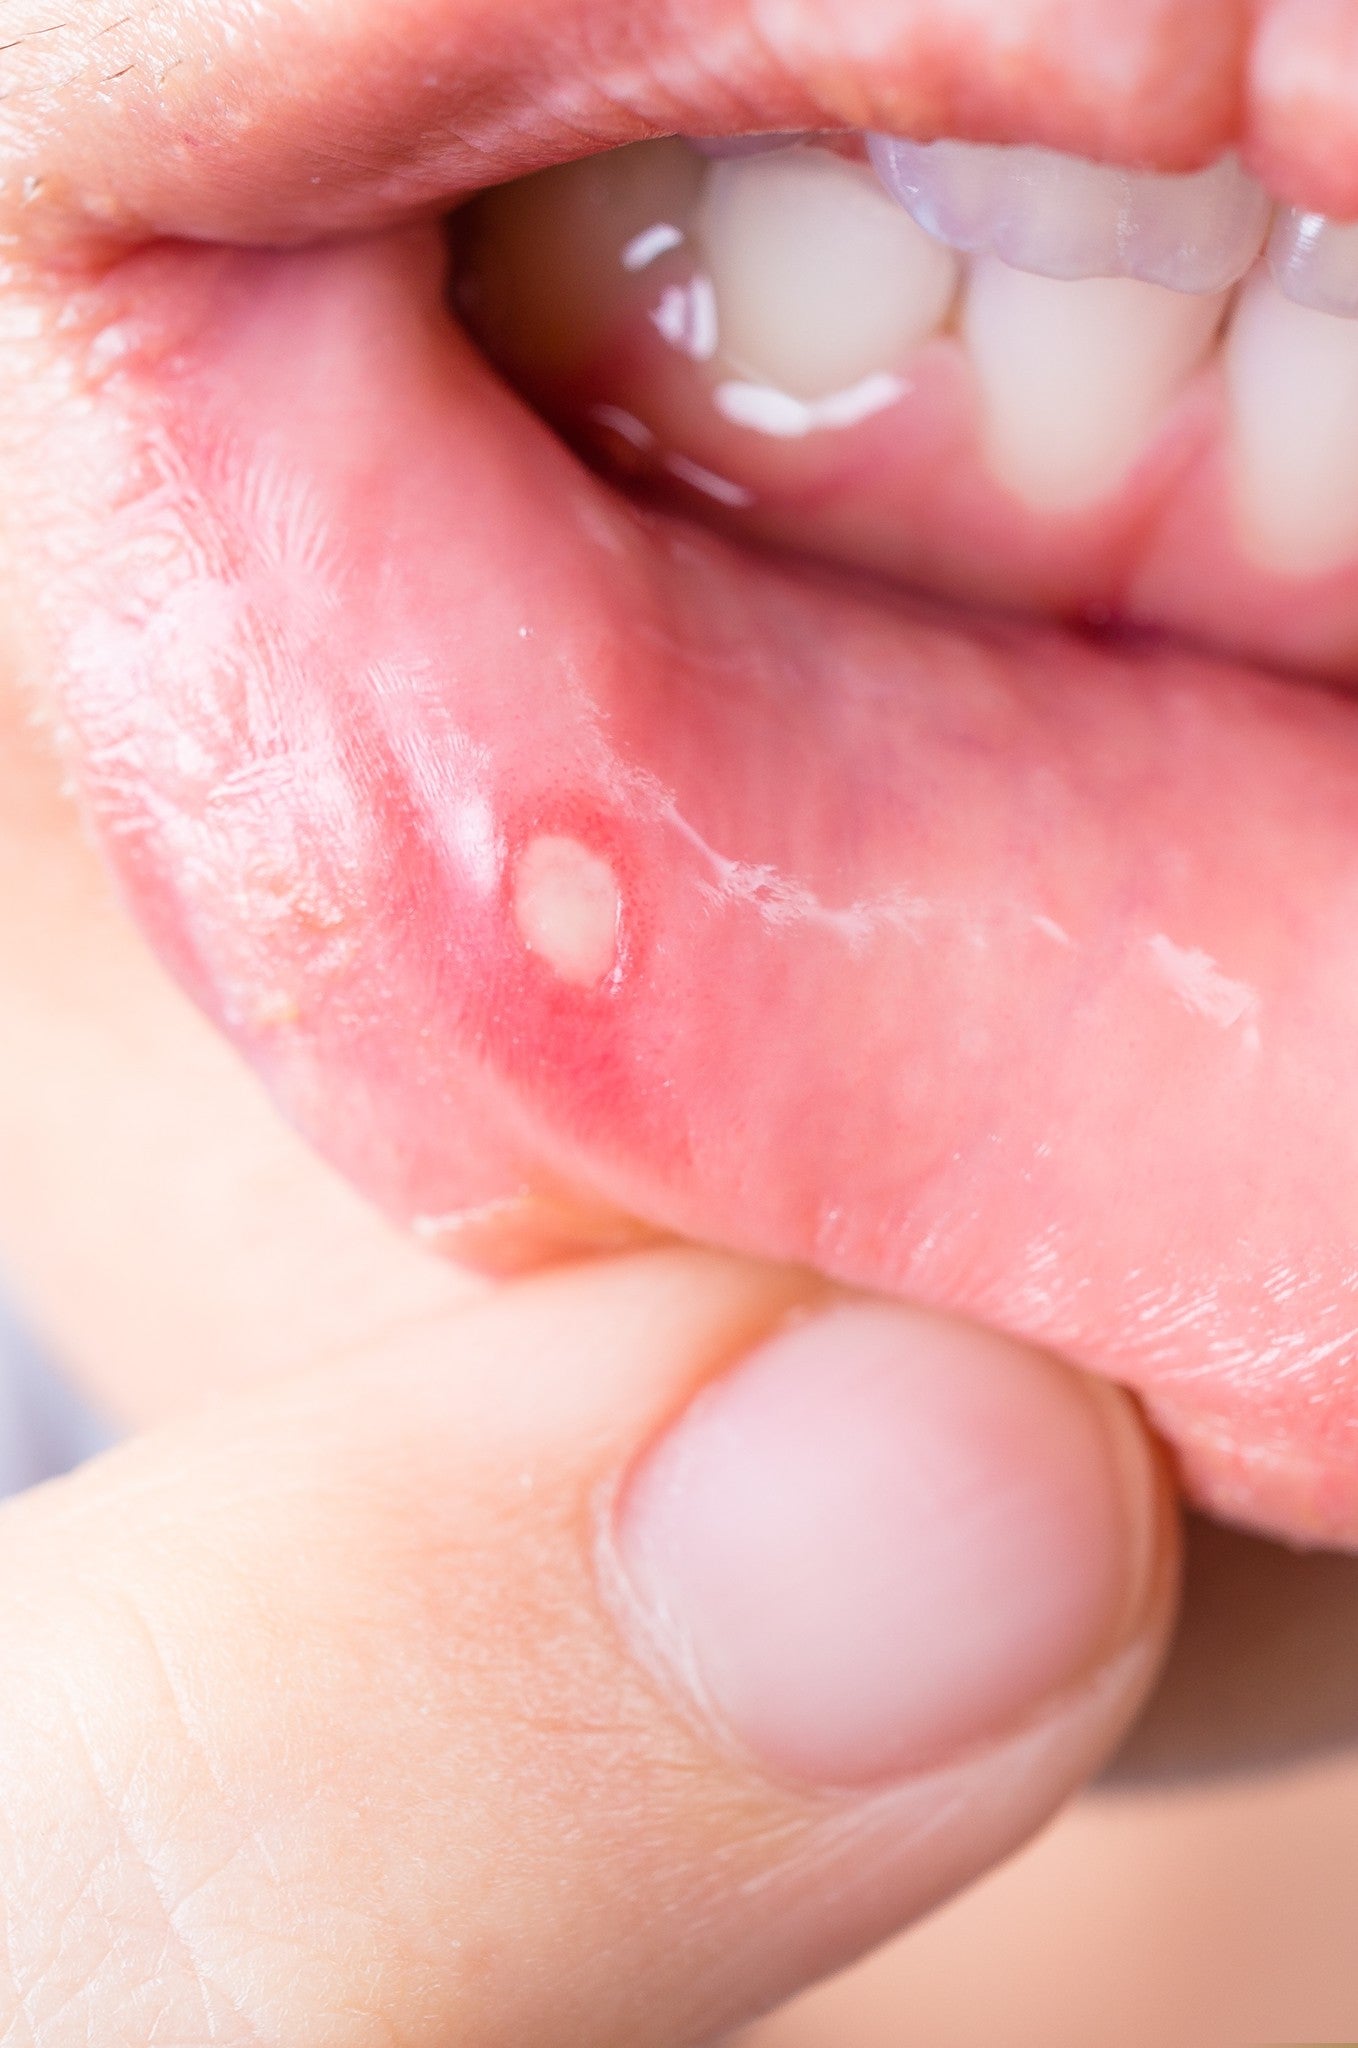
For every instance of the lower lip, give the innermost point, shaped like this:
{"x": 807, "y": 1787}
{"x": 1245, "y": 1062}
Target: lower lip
{"x": 970, "y": 962}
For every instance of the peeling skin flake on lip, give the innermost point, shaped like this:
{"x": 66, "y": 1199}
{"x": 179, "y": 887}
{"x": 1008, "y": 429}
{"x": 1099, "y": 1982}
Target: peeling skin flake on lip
{"x": 1200, "y": 985}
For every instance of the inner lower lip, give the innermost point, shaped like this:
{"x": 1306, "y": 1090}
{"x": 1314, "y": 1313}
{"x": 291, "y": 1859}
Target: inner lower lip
{"x": 966, "y": 960}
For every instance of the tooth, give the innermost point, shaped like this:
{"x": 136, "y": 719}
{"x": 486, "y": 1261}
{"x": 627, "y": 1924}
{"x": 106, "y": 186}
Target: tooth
{"x": 1292, "y": 375}
{"x": 820, "y": 280}
{"x": 1314, "y": 261}
{"x": 1075, "y": 377}
{"x": 1062, "y": 216}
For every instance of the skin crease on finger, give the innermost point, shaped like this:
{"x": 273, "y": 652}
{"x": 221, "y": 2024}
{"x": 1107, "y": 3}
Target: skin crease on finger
{"x": 321, "y": 727}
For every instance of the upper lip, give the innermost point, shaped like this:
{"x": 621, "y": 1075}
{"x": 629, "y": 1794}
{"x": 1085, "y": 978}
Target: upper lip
{"x": 245, "y": 124}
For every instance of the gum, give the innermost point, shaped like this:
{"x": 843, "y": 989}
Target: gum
{"x": 905, "y": 492}
{"x": 967, "y": 961}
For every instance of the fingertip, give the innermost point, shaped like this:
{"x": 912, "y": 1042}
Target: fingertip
{"x": 886, "y": 1537}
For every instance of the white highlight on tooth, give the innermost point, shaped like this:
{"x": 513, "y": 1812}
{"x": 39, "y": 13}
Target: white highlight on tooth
{"x": 1065, "y": 217}
{"x": 820, "y": 280}
{"x": 651, "y": 244}
{"x": 1292, "y": 376}
{"x": 687, "y": 318}
{"x": 567, "y": 908}
{"x": 1314, "y": 261}
{"x": 765, "y": 410}
{"x": 1076, "y": 377}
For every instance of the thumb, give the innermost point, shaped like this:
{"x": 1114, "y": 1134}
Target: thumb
{"x": 597, "y": 1665}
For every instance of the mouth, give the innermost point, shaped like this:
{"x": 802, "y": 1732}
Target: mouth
{"x": 890, "y": 806}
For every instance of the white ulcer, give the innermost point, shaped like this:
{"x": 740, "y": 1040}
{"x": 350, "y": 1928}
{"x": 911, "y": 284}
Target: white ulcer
{"x": 1066, "y": 217}
{"x": 1314, "y": 261}
{"x": 1075, "y": 378}
{"x": 1292, "y": 378}
{"x": 821, "y": 283}
{"x": 568, "y": 908}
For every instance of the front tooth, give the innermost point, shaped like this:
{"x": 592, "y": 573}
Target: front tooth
{"x": 1064, "y": 217}
{"x": 1075, "y": 377}
{"x": 820, "y": 280}
{"x": 1292, "y": 375}
{"x": 1314, "y": 261}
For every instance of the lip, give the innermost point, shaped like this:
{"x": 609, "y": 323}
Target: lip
{"x": 269, "y": 124}
{"x": 965, "y": 960}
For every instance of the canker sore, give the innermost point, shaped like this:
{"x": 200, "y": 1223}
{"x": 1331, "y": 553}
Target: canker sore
{"x": 567, "y": 908}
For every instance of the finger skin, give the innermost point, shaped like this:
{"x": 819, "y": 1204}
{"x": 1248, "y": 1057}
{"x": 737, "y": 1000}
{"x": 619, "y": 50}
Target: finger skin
{"x": 318, "y": 1727}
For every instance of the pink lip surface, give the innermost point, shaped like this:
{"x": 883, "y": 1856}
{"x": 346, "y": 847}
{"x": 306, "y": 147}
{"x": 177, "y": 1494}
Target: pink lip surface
{"x": 971, "y": 961}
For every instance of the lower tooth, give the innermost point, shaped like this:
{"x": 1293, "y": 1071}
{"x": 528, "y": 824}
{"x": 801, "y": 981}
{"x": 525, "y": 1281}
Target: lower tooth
{"x": 820, "y": 279}
{"x": 1292, "y": 375}
{"x": 1075, "y": 377}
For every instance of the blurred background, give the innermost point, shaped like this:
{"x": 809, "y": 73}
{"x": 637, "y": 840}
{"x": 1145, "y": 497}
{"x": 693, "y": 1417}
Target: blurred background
{"x": 1204, "y": 1896}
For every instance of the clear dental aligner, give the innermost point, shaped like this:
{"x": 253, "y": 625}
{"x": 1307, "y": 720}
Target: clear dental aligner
{"x": 1066, "y": 217}
{"x": 1026, "y": 214}
{"x": 1063, "y": 217}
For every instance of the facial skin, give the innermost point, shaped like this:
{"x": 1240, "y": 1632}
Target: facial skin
{"x": 228, "y": 1245}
